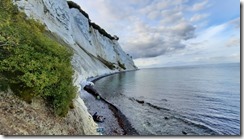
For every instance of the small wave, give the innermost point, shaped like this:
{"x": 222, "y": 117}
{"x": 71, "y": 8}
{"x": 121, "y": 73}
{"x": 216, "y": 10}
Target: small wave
{"x": 148, "y": 103}
{"x": 199, "y": 125}
{"x": 222, "y": 118}
{"x": 208, "y": 99}
{"x": 157, "y": 107}
{"x": 164, "y": 100}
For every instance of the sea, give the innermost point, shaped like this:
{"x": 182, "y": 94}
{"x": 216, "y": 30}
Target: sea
{"x": 185, "y": 100}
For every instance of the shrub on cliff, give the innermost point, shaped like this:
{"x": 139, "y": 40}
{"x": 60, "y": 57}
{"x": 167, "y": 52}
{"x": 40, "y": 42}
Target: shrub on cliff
{"x": 101, "y": 30}
{"x": 76, "y": 6}
{"x": 32, "y": 64}
{"x": 72, "y": 4}
{"x": 122, "y": 65}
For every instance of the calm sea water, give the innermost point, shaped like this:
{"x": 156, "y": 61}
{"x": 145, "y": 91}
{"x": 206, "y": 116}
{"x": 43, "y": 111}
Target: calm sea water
{"x": 193, "y": 100}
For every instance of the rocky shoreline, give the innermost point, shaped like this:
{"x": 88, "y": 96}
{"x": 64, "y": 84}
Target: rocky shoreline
{"x": 116, "y": 122}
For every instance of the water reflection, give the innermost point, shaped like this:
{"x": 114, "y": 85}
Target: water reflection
{"x": 115, "y": 85}
{"x": 206, "y": 95}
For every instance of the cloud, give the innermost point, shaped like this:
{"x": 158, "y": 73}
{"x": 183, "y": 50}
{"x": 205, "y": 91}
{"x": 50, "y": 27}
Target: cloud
{"x": 146, "y": 28}
{"x": 154, "y": 15}
{"x": 215, "y": 44}
{"x": 215, "y": 37}
{"x": 171, "y": 16}
{"x": 152, "y": 30}
{"x": 200, "y": 6}
{"x": 146, "y": 62}
{"x": 233, "y": 58}
{"x": 198, "y": 17}
{"x": 236, "y": 23}
{"x": 151, "y": 42}
{"x": 233, "y": 42}
{"x": 234, "y": 39}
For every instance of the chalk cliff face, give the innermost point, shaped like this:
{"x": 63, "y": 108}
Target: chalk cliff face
{"x": 94, "y": 54}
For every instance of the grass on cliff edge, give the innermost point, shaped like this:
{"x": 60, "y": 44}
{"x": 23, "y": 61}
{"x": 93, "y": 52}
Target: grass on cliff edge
{"x": 32, "y": 64}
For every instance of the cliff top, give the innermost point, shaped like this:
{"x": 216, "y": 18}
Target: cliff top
{"x": 72, "y": 4}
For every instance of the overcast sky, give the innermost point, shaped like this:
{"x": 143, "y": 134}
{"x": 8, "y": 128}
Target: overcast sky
{"x": 159, "y": 33}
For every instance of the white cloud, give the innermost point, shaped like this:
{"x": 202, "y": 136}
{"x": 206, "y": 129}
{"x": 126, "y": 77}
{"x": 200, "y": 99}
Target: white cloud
{"x": 154, "y": 15}
{"x": 146, "y": 62}
{"x": 152, "y": 42}
{"x": 208, "y": 47}
{"x": 233, "y": 42}
{"x": 146, "y": 28}
{"x": 236, "y": 23}
{"x": 152, "y": 30}
{"x": 198, "y": 17}
{"x": 172, "y": 16}
{"x": 200, "y": 6}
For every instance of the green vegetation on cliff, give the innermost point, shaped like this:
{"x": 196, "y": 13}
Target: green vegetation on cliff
{"x": 32, "y": 64}
{"x": 72, "y": 4}
{"x": 122, "y": 65}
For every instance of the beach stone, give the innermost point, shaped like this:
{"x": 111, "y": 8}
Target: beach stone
{"x": 184, "y": 132}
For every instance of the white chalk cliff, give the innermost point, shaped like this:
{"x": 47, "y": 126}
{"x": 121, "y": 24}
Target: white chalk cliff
{"x": 94, "y": 54}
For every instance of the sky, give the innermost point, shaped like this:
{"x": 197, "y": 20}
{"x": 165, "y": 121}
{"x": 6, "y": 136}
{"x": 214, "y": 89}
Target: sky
{"x": 161, "y": 33}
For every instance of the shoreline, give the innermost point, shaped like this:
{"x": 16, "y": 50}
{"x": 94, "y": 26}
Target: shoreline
{"x": 94, "y": 79}
{"x": 121, "y": 119}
